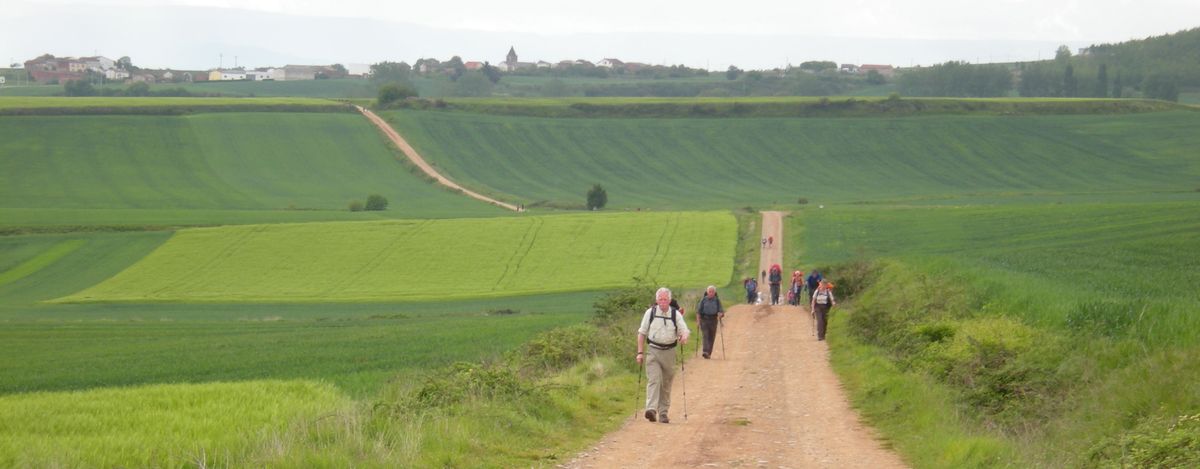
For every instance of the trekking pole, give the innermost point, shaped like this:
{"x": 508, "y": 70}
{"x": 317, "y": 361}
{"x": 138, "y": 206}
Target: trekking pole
{"x": 683, "y": 376}
{"x": 813, "y": 316}
{"x": 641, "y": 368}
{"x": 721, "y": 329}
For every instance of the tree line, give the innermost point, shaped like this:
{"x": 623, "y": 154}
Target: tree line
{"x": 1156, "y": 67}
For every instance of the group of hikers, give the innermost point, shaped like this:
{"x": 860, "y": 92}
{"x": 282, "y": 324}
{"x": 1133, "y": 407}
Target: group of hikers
{"x": 775, "y": 279}
{"x": 663, "y": 328}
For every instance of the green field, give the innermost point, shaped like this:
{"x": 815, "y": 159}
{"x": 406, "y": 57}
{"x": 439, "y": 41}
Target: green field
{"x": 205, "y": 169}
{"x": 162, "y": 425}
{"x": 1030, "y": 299}
{"x": 708, "y": 163}
{"x": 357, "y": 346}
{"x": 43, "y": 102}
{"x": 1062, "y": 255}
{"x": 1052, "y": 335}
{"x": 425, "y": 260}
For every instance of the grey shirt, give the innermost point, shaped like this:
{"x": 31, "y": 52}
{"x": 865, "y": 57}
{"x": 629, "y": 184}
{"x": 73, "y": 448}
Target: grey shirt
{"x": 710, "y": 306}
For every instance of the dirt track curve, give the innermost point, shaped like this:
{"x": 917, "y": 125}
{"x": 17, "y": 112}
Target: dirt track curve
{"x": 769, "y": 400}
{"x": 416, "y": 158}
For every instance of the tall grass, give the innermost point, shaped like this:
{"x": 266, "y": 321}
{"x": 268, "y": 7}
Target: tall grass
{"x": 161, "y": 425}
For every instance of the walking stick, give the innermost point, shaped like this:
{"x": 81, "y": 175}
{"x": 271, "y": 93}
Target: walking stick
{"x": 812, "y": 314}
{"x": 641, "y": 371}
{"x": 683, "y": 376}
{"x": 721, "y": 329}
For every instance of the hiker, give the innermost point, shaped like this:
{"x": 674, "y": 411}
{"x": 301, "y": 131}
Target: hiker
{"x": 770, "y": 241}
{"x": 814, "y": 279}
{"x": 708, "y": 313}
{"x": 663, "y": 327}
{"x": 776, "y": 279}
{"x": 764, "y": 243}
{"x": 822, "y": 301}
{"x": 796, "y": 288}
{"x": 751, "y": 289}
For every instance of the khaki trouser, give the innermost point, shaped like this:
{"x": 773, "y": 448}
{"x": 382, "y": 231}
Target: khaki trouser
{"x": 660, "y": 371}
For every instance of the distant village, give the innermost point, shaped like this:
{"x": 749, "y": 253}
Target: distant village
{"x": 48, "y": 69}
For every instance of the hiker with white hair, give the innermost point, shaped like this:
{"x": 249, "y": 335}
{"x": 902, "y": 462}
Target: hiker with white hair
{"x": 663, "y": 328}
{"x": 708, "y": 315}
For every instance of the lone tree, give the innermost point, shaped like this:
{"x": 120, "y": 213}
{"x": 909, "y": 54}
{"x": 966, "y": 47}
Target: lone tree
{"x": 597, "y": 198}
{"x": 376, "y": 202}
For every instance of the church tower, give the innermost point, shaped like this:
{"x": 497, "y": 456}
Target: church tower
{"x": 511, "y": 59}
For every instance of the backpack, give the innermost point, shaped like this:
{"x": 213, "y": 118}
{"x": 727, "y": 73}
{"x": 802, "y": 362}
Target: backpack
{"x": 674, "y": 323}
{"x": 822, "y": 297}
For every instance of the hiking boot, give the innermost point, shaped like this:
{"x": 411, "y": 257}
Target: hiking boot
{"x": 706, "y": 356}
{"x": 663, "y": 418}
{"x": 650, "y": 414}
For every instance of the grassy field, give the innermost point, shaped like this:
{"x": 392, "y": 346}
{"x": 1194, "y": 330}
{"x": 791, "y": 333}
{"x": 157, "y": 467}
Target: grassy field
{"x": 357, "y": 346}
{"x": 205, "y": 169}
{"x": 1039, "y": 335}
{"x": 1062, "y": 255}
{"x": 160, "y": 425}
{"x": 465, "y": 258}
{"x": 707, "y": 163}
{"x": 105, "y": 105}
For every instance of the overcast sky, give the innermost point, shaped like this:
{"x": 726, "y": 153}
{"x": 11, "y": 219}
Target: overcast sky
{"x": 748, "y": 33}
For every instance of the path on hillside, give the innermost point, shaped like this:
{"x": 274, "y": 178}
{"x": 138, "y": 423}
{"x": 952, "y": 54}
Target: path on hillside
{"x": 773, "y": 401}
{"x": 416, "y": 158}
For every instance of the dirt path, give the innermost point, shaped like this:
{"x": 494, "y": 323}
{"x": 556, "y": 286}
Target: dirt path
{"x": 771, "y": 401}
{"x": 421, "y": 163}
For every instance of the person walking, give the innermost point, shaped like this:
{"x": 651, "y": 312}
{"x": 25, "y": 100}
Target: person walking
{"x": 751, "y": 286}
{"x": 708, "y": 315}
{"x": 662, "y": 329}
{"x": 822, "y": 301}
{"x": 776, "y": 279}
{"x": 813, "y": 280}
{"x": 796, "y": 288}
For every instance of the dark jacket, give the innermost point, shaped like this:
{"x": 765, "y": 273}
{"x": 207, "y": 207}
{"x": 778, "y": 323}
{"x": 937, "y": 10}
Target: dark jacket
{"x": 709, "y": 306}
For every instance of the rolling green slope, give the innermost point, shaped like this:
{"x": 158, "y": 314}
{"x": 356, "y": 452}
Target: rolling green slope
{"x": 113, "y": 169}
{"x": 437, "y": 259}
{"x": 1039, "y": 335}
{"x": 704, "y": 163}
{"x": 1066, "y": 256}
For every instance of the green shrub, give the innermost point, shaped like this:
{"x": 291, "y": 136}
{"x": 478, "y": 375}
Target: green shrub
{"x": 356, "y": 206}
{"x": 624, "y": 303}
{"x": 1157, "y": 442}
{"x": 562, "y": 348}
{"x": 376, "y": 202}
{"x": 460, "y": 382}
{"x": 395, "y": 92}
{"x": 802, "y": 201}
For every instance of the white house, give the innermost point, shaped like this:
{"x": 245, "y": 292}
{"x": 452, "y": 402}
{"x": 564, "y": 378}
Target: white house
{"x": 610, "y": 63}
{"x": 115, "y": 74}
{"x": 98, "y": 63}
{"x": 260, "y": 74}
{"x": 297, "y": 72}
{"x": 226, "y": 75}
